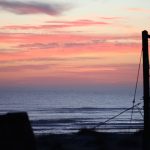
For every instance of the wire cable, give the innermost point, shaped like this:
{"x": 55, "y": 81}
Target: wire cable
{"x": 136, "y": 85}
{"x": 140, "y": 111}
{"x": 103, "y": 123}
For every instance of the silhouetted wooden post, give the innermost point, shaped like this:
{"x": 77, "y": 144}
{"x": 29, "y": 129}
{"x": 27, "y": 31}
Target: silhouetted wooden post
{"x": 146, "y": 135}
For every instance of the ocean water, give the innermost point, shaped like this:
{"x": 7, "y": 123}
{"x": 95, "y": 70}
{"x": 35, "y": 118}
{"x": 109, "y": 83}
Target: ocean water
{"x": 67, "y": 110}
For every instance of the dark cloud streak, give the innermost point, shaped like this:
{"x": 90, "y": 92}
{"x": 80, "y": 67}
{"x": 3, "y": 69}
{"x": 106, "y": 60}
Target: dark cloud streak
{"x": 25, "y": 67}
{"x": 39, "y": 45}
{"x": 23, "y": 8}
{"x": 50, "y": 59}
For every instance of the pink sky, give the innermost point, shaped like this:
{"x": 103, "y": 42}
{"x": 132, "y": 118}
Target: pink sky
{"x": 66, "y": 43}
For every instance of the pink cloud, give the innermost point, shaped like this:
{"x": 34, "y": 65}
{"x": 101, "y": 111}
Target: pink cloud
{"x": 139, "y": 10}
{"x": 34, "y": 46}
{"x": 25, "y": 46}
{"x": 56, "y": 24}
{"x": 111, "y": 18}
{"x": 48, "y": 38}
{"x": 86, "y": 23}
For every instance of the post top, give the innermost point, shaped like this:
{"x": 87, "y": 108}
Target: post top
{"x": 145, "y": 33}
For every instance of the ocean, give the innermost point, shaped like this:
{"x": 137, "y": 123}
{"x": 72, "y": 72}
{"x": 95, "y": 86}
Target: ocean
{"x": 58, "y": 110}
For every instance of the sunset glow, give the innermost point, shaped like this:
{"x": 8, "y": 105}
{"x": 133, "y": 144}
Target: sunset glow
{"x": 71, "y": 43}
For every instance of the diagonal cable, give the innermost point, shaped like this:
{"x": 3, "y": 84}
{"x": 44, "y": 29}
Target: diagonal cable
{"x": 103, "y": 123}
{"x": 135, "y": 91}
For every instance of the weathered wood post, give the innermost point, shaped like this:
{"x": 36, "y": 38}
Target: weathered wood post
{"x": 146, "y": 135}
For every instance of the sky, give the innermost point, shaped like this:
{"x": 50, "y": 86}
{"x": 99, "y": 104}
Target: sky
{"x": 71, "y": 43}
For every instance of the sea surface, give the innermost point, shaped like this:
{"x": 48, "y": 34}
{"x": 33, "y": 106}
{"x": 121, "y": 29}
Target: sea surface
{"x": 53, "y": 110}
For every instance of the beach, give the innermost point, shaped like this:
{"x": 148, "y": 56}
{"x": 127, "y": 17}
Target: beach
{"x": 87, "y": 139}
